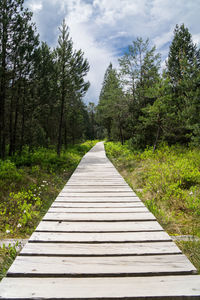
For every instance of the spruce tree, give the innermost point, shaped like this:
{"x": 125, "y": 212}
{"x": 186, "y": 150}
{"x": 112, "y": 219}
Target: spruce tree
{"x": 182, "y": 69}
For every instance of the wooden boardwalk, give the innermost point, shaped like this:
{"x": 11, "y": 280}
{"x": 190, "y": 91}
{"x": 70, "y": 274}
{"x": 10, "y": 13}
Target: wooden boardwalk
{"x": 99, "y": 241}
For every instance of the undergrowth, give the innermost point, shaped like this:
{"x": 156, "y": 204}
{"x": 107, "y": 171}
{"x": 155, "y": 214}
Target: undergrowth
{"x": 7, "y": 256}
{"x": 167, "y": 180}
{"x": 29, "y": 182}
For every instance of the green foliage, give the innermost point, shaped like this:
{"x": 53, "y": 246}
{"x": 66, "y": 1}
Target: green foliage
{"x": 27, "y": 192}
{"x": 9, "y": 171}
{"x": 112, "y": 107}
{"x": 7, "y": 256}
{"x": 47, "y": 159}
{"x": 192, "y": 250}
{"x": 170, "y": 181}
{"x": 19, "y": 211}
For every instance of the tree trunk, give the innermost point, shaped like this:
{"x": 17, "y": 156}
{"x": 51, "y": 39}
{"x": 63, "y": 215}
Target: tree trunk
{"x": 16, "y": 118}
{"x": 3, "y": 87}
{"x": 157, "y": 137}
{"x": 61, "y": 119}
{"x": 23, "y": 122}
{"x": 121, "y": 135}
{"x": 66, "y": 144}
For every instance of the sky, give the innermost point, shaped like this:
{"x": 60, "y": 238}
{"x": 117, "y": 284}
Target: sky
{"x": 103, "y": 29}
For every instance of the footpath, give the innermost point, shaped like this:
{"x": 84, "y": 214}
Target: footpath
{"x": 99, "y": 241}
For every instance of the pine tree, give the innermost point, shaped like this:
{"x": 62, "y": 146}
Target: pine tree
{"x": 183, "y": 55}
{"x": 182, "y": 69}
{"x": 64, "y": 57}
{"x": 139, "y": 69}
{"x": 112, "y": 108}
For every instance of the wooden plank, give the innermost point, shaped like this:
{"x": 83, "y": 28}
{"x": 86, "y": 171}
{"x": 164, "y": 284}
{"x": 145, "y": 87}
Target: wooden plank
{"x": 154, "y": 265}
{"x": 96, "y": 237}
{"x": 100, "y": 217}
{"x": 96, "y": 199}
{"x": 103, "y": 249}
{"x": 99, "y": 205}
{"x": 95, "y": 194}
{"x": 98, "y": 190}
{"x": 94, "y": 183}
{"x": 98, "y": 226}
{"x": 145, "y": 216}
{"x": 97, "y": 210}
{"x": 156, "y": 287}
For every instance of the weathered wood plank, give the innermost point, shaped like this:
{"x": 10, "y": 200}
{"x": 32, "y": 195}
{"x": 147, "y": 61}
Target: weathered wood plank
{"x": 97, "y": 210}
{"x": 142, "y": 216}
{"x": 95, "y": 183}
{"x": 154, "y": 265}
{"x": 157, "y": 287}
{"x": 98, "y": 226}
{"x": 97, "y": 199}
{"x": 97, "y": 194}
{"x": 96, "y": 237}
{"x": 103, "y": 249}
{"x": 98, "y": 205}
{"x": 98, "y": 189}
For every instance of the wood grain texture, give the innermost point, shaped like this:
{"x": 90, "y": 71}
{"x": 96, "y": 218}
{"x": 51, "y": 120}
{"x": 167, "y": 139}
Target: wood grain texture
{"x": 103, "y": 249}
{"x": 146, "y": 216}
{"x": 140, "y": 288}
{"x": 104, "y": 237}
{"x": 98, "y": 226}
{"x": 97, "y": 210}
{"x": 154, "y": 265}
{"x": 100, "y": 199}
{"x": 98, "y": 205}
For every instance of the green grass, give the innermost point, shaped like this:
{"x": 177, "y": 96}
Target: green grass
{"x": 168, "y": 181}
{"x": 7, "y": 255}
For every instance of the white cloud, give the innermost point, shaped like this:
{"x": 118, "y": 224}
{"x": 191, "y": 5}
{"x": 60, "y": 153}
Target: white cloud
{"x": 163, "y": 39}
{"x": 196, "y": 39}
{"x": 35, "y": 6}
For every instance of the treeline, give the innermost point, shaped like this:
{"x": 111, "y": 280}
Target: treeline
{"x": 41, "y": 89}
{"x": 139, "y": 104}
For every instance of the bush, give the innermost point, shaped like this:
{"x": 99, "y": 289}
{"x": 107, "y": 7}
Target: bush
{"x": 168, "y": 180}
{"x": 9, "y": 172}
{"x": 20, "y": 210}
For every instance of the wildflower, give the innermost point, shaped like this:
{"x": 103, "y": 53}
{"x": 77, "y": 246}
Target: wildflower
{"x": 191, "y": 193}
{"x": 19, "y": 225}
{"x": 24, "y": 211}
{"x": 7, "y": 231}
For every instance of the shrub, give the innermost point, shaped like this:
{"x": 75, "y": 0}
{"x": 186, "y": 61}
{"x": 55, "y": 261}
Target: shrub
{"x": 20, "y": 210}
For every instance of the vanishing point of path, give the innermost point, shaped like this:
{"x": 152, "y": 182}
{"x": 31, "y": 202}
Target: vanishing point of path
{"x": 99, "y": 241}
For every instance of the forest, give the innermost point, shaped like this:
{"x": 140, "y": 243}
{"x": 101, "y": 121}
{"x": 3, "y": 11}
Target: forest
{"x": 41, "y": 89}
{"x": 146, "y": 105}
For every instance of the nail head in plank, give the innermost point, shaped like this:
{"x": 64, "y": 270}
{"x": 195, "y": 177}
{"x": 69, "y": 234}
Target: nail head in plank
{"x": 98, "y": 226}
